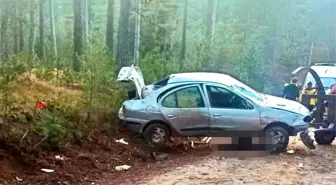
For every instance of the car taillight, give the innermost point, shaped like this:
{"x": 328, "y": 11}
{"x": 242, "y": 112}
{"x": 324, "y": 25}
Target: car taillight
{"x": 123, "y": 109}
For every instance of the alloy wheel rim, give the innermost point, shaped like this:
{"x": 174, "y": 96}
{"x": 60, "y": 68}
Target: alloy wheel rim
{"x": 159, "y": 135}
{"x": 277, "y": 138}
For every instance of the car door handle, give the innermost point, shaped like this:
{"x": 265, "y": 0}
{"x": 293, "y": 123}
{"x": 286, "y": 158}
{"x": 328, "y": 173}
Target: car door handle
{"x": 171, "y": 116}
{"x": 216, "y": 115}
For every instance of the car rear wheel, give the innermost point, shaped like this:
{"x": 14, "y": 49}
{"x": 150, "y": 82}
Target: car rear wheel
{"x": 324, "y": 137}
{"x": 279, "y": 139}
{"x": 156, "y": 134}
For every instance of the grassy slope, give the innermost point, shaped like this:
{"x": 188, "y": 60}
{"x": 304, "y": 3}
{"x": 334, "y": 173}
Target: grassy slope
{"x": 24, "y": 150}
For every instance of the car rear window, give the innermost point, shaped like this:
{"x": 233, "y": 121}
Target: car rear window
{"x": 161, "y": 83}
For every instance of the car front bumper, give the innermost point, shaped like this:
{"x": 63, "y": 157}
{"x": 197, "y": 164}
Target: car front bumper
{"x": 132, "y": 126}
{"x": 303, "y": 130}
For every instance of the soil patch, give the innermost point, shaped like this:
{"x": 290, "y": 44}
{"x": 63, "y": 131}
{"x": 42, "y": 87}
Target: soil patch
{"x": 88, "y": 162}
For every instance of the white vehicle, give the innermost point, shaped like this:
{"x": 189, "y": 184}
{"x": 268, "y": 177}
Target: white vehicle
{"x": 327, "y": 74}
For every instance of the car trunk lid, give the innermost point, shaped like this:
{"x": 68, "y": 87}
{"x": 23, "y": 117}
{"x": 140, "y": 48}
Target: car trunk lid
{"x": 134, "y": 75}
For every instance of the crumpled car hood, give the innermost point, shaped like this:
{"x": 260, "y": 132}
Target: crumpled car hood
{"x": 284, "y": 104}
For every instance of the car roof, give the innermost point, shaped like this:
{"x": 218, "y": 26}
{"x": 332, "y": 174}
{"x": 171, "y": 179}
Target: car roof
{"x": 202, "y": 77}
{"x": 325, "y": 71}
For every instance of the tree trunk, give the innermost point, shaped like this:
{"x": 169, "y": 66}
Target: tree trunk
{"x": 156, "y": 29}
{"x": 86, "y": 22}
{"x": 131, "y": 33}
{"x": 109, "y": 26}
{"x": 122, "y": 57}
{"x": 137, "y": 33}
{"x": 211, "y": 21}
{"x": 78, "y": 33}
{"x": 184, "y": 34}
{"x": 52, "y": 28}
{"x": 4, "y": 35}
{"x": 90, "y": 17}
{"x": 21, "y": 34}
{"x": 15, "y": 21}
{"x": 31, "y": 32}
{"x": 41, "y": 39}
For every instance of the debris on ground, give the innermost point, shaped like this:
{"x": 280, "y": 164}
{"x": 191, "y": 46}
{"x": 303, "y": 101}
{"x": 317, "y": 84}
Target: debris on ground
{"x": 19, "y": 179}
{"x": 47, "y": 170}
{"x": 122, "y": 141}
{"x": 206, "y": 139}
{"x": 58, "y": 157}
{"x": 300, "y": 165}
{"x": 122, "y": 168}
{"x": 159, "y": 157}
{"x": 290, "y": 151}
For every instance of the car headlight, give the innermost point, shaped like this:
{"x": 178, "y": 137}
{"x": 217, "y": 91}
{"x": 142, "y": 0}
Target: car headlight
{"x": 308, "y": 119}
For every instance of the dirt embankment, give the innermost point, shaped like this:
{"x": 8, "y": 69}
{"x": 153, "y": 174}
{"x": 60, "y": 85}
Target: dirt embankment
{"x": 87, "y": 162}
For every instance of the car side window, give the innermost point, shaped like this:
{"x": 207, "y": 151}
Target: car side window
{"x": 189, "y": 97}
{"x": 222, "y": 98}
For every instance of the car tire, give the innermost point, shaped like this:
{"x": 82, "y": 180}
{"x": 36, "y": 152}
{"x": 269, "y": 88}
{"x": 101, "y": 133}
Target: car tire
{"x": 324, "y": 137}
{"x": 280, "y": 147}
{"x": 156, "y": 134}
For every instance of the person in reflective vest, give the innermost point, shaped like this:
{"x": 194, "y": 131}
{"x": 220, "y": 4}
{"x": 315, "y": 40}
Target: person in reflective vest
{"x": 291, "y": 91}
{"x": 310, "y": 90}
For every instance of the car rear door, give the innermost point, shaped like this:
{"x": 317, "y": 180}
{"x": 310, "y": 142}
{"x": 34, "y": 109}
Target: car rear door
{"x": 133, "y": 75}
{"x": 229, "y": 111}
{"x": 185, "y": 110}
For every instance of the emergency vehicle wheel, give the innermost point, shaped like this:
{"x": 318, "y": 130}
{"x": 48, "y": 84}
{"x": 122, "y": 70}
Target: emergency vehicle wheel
{"x": 324, "y": 137}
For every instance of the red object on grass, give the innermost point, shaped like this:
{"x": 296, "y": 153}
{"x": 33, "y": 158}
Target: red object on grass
{"x": 42, "y": 105}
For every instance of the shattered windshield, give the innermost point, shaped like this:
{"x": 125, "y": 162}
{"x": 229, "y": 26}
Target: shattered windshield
{"x": 249, "y": 92}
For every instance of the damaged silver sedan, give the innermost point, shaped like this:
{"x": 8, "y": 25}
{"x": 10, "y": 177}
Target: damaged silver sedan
{"x": 207, "y": 104}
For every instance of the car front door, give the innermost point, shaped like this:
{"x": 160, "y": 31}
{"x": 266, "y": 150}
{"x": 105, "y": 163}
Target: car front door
{"x": 185, "y": 110}
{"x": 229, "y": 111}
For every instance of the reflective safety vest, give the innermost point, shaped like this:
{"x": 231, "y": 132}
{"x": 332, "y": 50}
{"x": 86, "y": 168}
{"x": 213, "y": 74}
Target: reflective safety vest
{"x": 313, "y": 101}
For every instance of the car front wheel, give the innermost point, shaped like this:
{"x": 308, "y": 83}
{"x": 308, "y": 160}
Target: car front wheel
{"x": 278, "y": 138}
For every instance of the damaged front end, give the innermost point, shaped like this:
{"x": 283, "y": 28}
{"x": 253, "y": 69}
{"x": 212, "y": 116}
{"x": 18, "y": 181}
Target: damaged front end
{"x": 297, "y": 123}
{"x": 307, "y": 140}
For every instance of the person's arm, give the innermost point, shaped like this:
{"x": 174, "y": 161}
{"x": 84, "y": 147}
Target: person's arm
{"x": 284, "y": 92}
